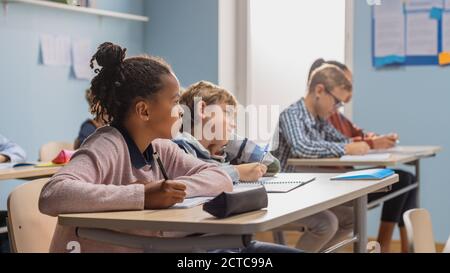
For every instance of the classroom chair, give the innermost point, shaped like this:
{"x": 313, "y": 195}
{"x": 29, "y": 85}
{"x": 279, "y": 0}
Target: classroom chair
{"x": 30, "y": 231}
{"x": 420, "y": 231}
{"x": 447, "y": 246}
{"x": 50, "y": 150}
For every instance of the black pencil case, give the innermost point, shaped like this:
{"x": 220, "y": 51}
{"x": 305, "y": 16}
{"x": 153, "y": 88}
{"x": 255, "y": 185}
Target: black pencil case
{"x": 232, "y": 203}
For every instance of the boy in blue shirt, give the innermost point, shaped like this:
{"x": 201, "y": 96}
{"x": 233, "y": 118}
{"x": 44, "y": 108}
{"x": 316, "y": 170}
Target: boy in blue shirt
{"x": 10, "y": 152}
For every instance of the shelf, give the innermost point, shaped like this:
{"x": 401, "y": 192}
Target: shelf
{"x": 99, "y": 12}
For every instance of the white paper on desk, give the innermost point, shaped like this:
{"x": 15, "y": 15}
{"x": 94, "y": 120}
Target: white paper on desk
{"x": 192, "y": 202}
{"x": 368, "y": 157}
{"x": 388, "y": 8}
{"x": 82, "y": 53}
{"x": 402, "y": 150}
{"x": 446, "y": 32}
{"x": 421, "y": 35}
{"x": 389, "y": 36}
{"x": 55, "y": 50}
{"x": 417, "y": 5}
{"x": 4, "y": 166}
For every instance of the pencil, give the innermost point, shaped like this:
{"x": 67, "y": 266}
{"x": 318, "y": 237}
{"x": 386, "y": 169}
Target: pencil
{"x": 161, "y": 166}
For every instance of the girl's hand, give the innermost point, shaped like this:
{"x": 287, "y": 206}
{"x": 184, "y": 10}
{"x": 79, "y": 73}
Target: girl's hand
{"x": 163, "y": 194}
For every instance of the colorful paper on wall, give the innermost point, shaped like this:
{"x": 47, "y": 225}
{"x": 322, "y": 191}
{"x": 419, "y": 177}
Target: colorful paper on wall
{"x": 444, "y": 58}
{"x": 389, "y": 60}
{"x": 436, "y": 13}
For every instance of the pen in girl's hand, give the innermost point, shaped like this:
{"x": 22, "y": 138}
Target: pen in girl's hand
{"x": 161, "y": 166}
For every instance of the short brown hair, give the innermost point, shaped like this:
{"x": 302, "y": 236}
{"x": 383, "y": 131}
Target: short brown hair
{"x": 330, "y": 76}
{"x": 209, "y": 93}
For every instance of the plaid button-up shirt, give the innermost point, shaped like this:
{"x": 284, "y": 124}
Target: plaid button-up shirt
{"x": 300, "y": 135}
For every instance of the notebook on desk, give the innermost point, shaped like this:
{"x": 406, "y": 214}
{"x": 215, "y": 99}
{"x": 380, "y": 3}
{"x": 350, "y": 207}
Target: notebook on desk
{"x": 416, "y": 151}
{"x": 280, "y": 183}
{"x": 5, "y": 166}
{"x": 30, "y": 164}
{"x": 368, "y": 157}
{"x": 373, "y": 174}
{"x": 192, "y": 202}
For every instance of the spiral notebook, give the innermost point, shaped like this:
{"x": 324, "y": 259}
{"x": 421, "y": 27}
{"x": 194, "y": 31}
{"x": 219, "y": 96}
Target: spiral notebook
{"x": 280, "y": 183}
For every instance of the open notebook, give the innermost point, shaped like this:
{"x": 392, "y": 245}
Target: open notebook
{"x": 4, "y": 166}
{"x": 192, "y": 202}
{"x": 280, "y": 183}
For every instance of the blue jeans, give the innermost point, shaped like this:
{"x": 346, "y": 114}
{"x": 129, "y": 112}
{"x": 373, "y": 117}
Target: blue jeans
{"x": 4, "y": 240}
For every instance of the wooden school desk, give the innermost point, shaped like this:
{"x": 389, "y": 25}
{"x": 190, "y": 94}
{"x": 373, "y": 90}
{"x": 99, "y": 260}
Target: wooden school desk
{"x": 27, "y": 172}
{"x": 400, "y": 155}
{"x": 232, "y": 232}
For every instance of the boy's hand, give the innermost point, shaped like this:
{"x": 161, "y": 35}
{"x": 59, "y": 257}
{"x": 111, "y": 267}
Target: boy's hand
{"x": 357, "y": 148}
{"x": 163, "y": 194}
{"x": 251, "y": 172}
{"x": 384, "y": 142}
{"x": 3, "y": 159}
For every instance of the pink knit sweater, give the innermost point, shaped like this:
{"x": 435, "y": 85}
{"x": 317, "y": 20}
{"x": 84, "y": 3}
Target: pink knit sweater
{"x": 100, "y": 178}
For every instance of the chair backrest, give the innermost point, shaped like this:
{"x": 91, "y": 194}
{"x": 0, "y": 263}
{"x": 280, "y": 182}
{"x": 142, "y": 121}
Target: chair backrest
{"x": 447, "y": 246}
{"x": 30, "y": 231}
{"x": 420, "y": 231}
{"x": 49, "y": 151}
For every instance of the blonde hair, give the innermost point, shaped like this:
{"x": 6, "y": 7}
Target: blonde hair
{"x": 330, "y": 76}
{"x": 207, "y": 92}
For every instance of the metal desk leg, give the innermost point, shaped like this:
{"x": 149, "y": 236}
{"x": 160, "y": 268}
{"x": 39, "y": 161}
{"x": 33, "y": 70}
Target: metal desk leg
{"x": 417, "y": 171}
{"x": 278, "y": 237}
{"x": 360, "y": 224}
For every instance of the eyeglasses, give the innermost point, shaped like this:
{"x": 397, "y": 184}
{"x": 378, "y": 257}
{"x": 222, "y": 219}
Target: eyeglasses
{"x": 337, "y": 102}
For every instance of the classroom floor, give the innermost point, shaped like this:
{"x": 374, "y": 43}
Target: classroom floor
{"x": 292, "y": 237}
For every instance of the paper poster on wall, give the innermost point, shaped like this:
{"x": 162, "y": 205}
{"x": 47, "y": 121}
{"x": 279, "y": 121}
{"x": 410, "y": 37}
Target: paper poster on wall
{"x": 426, "y": 32}
{"x": 444, "y": 56}
{"x": 389, "y": 42}
{"x": 388, "y": 8}
{"x": 421, "y": 5}
{"x": 55, "y": 50}
{"x": 421, "y": 35}
{"x": 446, "y": 32}
{"x": 389, "y": 33}
{"x": 82, "y": 53}
{"x": 447, "y": 4}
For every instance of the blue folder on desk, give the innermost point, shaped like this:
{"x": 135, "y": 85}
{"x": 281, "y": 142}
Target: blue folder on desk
{"x": 373, "y": 174}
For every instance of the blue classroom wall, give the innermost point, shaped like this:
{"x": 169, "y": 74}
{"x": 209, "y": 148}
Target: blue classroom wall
{"x": 39, "y": 104}
{"x": 413, "y": 101}
{"x": 185, "y": 33}
{"x": 127, "y": 6}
